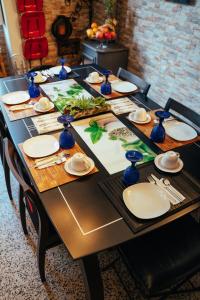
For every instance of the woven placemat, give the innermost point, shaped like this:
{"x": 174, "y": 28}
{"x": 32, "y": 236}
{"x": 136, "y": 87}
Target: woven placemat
{"x": 113, "y": 187}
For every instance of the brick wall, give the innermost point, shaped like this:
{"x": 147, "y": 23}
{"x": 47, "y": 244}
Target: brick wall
{"x": 51, "y": 10}
{"x": 164, "y": 46}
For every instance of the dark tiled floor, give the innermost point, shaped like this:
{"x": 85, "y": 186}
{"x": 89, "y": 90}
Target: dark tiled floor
{"x": 19, "y": 279}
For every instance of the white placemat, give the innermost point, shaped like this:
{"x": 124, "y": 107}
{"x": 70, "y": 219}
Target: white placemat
{"x": 122, "y": 105}
{"x": 47, "y": 123}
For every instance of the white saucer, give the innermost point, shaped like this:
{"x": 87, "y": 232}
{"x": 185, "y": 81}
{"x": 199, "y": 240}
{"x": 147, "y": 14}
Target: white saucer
{"x": 36, "y": 107}
{"x": 101, "y": 79}
{"x": 73, "y": 172}
{"x": 148, "y": 119}
{"x": 160, "y": 167}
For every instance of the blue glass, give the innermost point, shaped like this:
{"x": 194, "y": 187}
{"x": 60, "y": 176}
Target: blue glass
{"x": 158, "y": 132}
{"x": 33, "y": 89}
{"x": 106, "y": 88}
{"x": 63, "y": 73}
{"x": 66, "y": 139}
{"x": 131, "y": 174}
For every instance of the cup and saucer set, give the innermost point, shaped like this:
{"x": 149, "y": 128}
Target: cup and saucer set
{"x": 139, "y": 116}
{"x": 94, "y": 78}
{"x": 169, "y": 162}
{"x": 43, "y": 105}
{"x": 79, "y": 164}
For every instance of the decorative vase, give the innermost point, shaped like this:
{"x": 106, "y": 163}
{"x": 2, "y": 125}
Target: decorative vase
{"x": 66, "y": 139}
{"x": 158, "y": 132}
{"x": 131, "y": 174}
{"x": 33, "y": 89}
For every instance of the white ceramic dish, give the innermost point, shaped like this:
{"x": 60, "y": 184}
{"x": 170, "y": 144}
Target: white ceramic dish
{"x": 68, "y": 169}
{"x": 100, "y": 80}
{"x": 158, "y": 164}
{"x": 180, "y": 131}
{"x": 124, "y": 87}
{"x": 41, "y": 146}
{"x": 148, "y": 119}
{"x": 56, "y": 70}
{"x": 15, "y": 97}
{"x": 36, "y": 107}
{"x": 146, "y": 200}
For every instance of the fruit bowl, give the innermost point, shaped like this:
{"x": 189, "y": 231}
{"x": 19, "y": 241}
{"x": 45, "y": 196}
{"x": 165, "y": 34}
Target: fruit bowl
{"x": 104, "y": 33}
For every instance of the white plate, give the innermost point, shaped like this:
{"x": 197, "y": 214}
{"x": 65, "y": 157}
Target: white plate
{"x": 146, "y": 200}
{"x": 101, "y": 79}
{"x": 56, "y": 70}
{"x": 73, "y": 172}
{"x": 41, "y": 146}
{"x": 148, "y": 119}
{"x": 124, "y": 87}
{"x": 180, "y": 131}
{"x": 15, "y": 97}
{"x": 43, "y": 78}
{"x": 158, "y": 164}
{"x": 36, "y": 107}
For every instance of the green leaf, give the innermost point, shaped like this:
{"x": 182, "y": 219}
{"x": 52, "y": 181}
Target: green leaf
{"x": 96, "y": 136}
{"x": 89, "y": 129}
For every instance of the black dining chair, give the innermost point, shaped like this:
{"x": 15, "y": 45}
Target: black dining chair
{"x": 190, "y": 115}
{"x": 30, "y": 202}
{"x": 163, "y": 260}
{"x": 3, "y": 134}
{"x": 141, "y": 84}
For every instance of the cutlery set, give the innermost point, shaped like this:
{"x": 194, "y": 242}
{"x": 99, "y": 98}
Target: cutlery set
{"x": 42, "y": 163}
{"x": 163, "y": 183}
{"x": 47, "y": 73}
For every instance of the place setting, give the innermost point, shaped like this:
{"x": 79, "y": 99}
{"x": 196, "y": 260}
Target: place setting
{"x": 109, "y": 85}
{"x": 147, "y": 193}
{"x": 56, "y": 159}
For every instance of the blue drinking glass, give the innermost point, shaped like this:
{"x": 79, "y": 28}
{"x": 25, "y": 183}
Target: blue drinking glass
{"x": 66, "y": 139}
{"x": 33, "y": 89}
{"x": 106, "y": 88}
{"x": 158, "y": 132}
{"x": 131, "y": 174}
{"x": 63, "y": 73}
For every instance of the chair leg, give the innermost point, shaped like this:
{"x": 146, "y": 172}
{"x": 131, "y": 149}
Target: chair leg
{"x": 7, "y": 178}
{"x": 41, "y": 248}
{"x": 22, "y": 210}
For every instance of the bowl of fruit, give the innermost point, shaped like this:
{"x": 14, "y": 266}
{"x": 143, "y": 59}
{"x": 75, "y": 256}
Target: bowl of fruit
{"x": 104, "y": 33}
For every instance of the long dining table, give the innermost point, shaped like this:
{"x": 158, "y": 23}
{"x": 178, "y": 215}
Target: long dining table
{"x": 82, "y": 214}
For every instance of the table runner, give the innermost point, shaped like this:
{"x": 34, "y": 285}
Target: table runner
{"x": 113, "y": 188}
{"x": 114, "y": 94}
{"x": 53, "y": 176}
{"x": 169, "y": 143}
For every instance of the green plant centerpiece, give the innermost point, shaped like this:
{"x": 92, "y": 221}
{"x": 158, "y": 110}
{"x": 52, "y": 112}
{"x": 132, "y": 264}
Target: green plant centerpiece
{"x": 81, "y": 106}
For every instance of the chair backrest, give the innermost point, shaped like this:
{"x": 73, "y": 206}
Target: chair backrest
{"x": 2, "y": 134}
{"x": 184, "y": 111}
{"x": 33, "y": 204}
{"x": 41, "y": 68}
{"x": 141, "y": 84}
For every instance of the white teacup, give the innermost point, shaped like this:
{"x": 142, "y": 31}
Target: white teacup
{"x": 79, "y": 163}
{"x": 170, "y": 160}
{"x": 44, "y": 103}
{"x": 140, "y": 115}
{"x": 94, "y": 76}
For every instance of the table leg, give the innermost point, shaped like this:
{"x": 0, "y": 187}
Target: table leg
{"x": 92, "y": 277}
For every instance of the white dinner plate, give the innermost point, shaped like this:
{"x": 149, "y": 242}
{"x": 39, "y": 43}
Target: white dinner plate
{"x": 71, "y": 171}
{"x": 158, "y": 164}
{"x": 15, "y": 97}
{"x": 148, "y": 119}
{"x": 100, "y": 80}
{"x": 180, "y": 131}
{"x": 37, "y": 107}
{"x": 56, "y": 70}
{"x": 146, "y": 200}
{"x": 124, "y": 87}
{"x": 41, "y": 146}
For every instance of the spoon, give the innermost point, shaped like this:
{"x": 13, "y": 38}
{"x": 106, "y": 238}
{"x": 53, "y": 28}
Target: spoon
{"x": 172, "y": 189}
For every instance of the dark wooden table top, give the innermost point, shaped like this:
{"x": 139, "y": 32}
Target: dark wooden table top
{"x": 82, "y": 214}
